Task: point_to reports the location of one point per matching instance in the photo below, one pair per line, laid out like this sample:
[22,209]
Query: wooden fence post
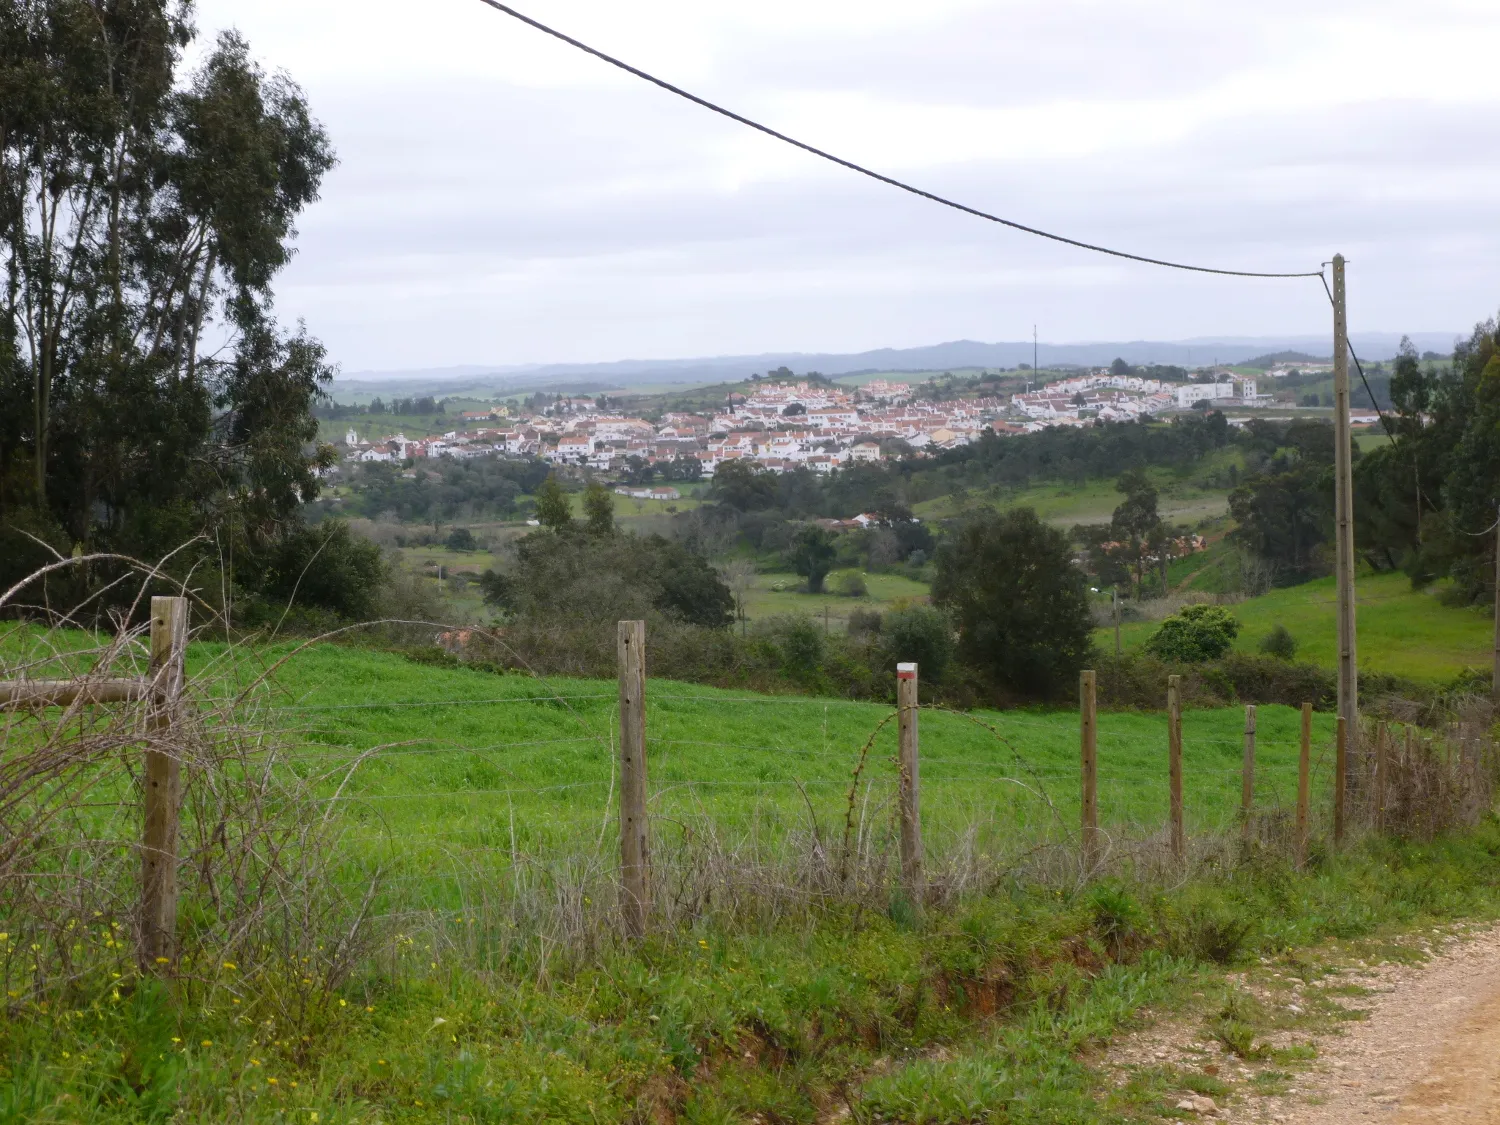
[1304,782]
[635,854]
[1089,755]
[1340,770]
[157,947]
[911,785]
[1174,760]
[1382,753]
[1247,774]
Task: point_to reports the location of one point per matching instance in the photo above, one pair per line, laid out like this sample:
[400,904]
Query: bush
[1279,643]
[461,539]
[1194,634]
[796,643]
[864,624]
[1139,679]
[921,634]
[850,584]
[325,568]
[609,577]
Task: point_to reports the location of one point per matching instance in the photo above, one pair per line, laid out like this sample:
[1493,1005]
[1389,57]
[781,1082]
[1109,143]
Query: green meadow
[454,787]
[460,769]
[1402,631]
[1094,501]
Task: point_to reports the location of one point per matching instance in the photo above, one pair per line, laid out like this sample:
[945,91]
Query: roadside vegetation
[483,976]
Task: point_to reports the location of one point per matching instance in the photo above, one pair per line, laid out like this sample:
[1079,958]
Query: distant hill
[588,378]
[1274,359]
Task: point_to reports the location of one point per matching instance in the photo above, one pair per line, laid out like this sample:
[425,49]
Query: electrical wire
[1384,424]
[862,170]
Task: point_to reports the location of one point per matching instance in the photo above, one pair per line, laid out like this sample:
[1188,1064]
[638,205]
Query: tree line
[148,395]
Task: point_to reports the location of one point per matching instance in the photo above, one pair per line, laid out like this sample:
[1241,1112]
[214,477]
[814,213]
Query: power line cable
[861,169]
[1384,424]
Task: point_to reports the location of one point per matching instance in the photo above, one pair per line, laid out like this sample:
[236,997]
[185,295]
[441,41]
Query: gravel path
[1428,1052]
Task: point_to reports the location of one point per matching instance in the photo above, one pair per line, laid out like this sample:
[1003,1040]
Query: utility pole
[1033,349]
[1495,687]
[1344,510]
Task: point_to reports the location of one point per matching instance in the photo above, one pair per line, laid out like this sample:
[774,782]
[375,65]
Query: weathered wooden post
[1304,783]
[1340,770]
[635,853]
[1247,774]
[911,785]
[1382,752]
[1174,761]
[1089,755]
[157,946]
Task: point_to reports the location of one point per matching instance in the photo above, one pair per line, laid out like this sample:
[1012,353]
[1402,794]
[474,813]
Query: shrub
[325,567]
[461,539]
[1194,634]
[796,643]
[1279,643]
[921,634]
[850,584]
[864,624]
[567,574]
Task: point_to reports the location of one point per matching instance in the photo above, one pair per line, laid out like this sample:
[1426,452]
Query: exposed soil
[1429,1050]
[1405,1044]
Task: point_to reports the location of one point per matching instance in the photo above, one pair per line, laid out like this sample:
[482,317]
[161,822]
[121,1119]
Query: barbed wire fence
[494,827]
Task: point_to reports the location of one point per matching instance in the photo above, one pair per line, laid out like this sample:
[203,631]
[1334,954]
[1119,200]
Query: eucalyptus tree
[146,391]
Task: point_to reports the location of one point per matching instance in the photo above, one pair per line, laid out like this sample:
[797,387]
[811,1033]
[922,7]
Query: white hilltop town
[790,425]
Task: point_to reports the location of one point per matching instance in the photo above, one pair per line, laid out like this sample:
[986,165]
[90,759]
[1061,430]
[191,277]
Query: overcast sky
[502,198]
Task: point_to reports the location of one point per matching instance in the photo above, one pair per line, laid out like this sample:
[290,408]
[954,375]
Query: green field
[481,807]
[779,593]
[467,766]
[1402,631]
[1092,502]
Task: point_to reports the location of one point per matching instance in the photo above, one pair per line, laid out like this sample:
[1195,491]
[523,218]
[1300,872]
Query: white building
[1197,392]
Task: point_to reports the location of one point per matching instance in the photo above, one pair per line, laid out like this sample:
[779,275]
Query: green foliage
[139,204]
[1233,1029]
[850,584]
[445,490]
[325,567]
[598,509]
[1135,521]
[743,485]
[461,539]
[1279,643]
[570,574]
[1020,605]
[811,555]
[992,1008]
[553,509]
[796,642]
[921,634]
[1194,634]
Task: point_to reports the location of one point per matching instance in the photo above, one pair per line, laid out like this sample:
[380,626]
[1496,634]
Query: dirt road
[1429,1050]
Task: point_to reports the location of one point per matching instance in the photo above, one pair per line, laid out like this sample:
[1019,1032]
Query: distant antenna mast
[1033,347]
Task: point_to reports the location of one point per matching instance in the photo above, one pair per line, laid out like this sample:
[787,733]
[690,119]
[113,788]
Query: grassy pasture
[765,600]
[1401,631]
[467,768]
[714,1022]
[1066,504]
